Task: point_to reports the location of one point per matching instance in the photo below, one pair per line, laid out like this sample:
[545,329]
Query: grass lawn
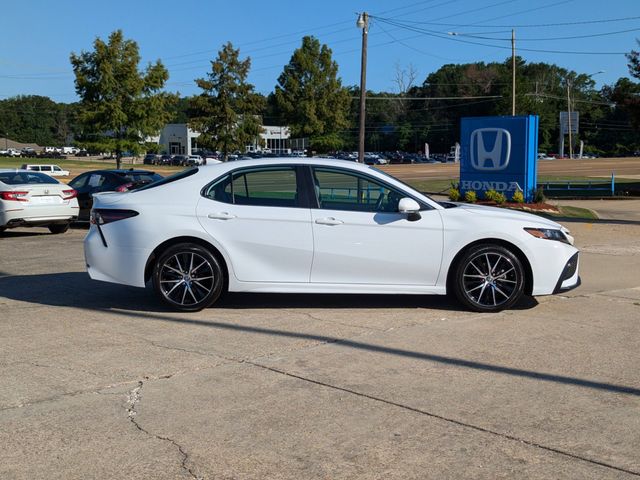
[577,212]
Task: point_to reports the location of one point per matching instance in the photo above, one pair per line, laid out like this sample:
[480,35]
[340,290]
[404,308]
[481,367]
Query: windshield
[25,178]
[171,178]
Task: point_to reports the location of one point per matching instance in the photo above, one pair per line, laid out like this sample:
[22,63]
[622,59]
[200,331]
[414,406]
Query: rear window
[171,178]
[23,178]
[143,177]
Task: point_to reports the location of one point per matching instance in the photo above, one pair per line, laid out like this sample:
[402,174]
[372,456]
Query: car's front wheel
[59,228]
[188,277]
[489,278]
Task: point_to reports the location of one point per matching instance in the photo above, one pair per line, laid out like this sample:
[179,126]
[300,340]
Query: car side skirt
[336,288]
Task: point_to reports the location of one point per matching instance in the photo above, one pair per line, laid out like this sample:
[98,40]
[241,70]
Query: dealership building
[179,139]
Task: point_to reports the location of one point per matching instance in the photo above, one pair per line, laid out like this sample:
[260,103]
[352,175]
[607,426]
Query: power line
[545,39]
[436,34]
[531,25]
[428,98]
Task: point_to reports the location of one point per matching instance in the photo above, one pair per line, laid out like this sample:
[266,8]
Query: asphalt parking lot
[100,381]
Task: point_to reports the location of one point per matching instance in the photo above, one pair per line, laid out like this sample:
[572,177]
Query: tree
[120,105]
[226,113]
[36,119]
[310,97]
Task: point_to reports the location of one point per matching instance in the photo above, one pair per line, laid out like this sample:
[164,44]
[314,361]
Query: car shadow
[23,233]
[76,289]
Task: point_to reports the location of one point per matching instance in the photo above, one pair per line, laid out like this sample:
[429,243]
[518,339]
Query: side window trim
[361,176]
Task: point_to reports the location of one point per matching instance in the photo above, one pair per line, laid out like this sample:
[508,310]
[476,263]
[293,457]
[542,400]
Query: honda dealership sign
[499,153]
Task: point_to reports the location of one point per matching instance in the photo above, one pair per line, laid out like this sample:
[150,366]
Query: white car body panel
[278,249]
[264,243]
[345,243]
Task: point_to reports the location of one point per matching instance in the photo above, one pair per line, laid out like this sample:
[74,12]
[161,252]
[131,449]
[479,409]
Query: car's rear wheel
[59,228]
[489,278]
[188,277]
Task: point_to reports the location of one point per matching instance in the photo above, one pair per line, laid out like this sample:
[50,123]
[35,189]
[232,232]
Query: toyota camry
[319,226]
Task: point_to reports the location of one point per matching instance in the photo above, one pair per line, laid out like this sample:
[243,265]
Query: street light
[569,110]
[363,23]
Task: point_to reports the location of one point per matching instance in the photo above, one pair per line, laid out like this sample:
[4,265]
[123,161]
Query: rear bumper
[115,263]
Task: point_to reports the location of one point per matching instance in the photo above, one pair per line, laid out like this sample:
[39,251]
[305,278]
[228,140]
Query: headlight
[548,234]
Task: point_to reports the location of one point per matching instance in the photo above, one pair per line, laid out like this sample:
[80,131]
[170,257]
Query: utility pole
[363,23]
[513,72]
[569,117]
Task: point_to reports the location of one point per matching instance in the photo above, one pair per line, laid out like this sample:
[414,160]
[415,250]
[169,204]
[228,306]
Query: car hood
[508,214]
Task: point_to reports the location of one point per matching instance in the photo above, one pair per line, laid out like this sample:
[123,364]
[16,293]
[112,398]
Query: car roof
[327,162]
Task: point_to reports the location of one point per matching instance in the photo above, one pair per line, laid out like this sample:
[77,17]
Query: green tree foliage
[310,97]
[226,112]
[37,119]
[120,105]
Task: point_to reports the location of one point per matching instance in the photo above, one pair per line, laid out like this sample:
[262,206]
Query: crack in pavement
[453,421]
[133,399]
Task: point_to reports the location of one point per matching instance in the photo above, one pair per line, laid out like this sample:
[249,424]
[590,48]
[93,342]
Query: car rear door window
[265,187]
[340,190]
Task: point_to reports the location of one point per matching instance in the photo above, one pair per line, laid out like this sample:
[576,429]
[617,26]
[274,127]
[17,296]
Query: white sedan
[33,199]
[319,226]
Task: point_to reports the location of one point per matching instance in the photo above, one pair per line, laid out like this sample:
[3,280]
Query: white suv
[53,170]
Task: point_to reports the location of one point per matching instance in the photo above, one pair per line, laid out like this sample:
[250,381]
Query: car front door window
[337,190]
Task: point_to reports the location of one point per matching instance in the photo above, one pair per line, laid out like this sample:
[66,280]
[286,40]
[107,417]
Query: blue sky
[37,36]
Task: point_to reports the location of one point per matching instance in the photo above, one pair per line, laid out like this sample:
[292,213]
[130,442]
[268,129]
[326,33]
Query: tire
[174,280]
[2,230]
[488,278]
[58,228]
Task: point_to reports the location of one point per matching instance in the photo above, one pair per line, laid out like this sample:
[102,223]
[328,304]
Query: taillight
[15,196]
[124,188]
[102,216]
[69,194]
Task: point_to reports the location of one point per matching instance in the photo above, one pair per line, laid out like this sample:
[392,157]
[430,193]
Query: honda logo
[486,156]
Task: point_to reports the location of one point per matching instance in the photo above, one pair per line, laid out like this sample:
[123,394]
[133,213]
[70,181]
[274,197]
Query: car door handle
[221,216]
[329,221]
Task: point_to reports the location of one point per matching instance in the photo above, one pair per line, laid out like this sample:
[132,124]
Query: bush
[499,198]
[454,194]
[490,195]
[538,195]
[518,197]
[470,196]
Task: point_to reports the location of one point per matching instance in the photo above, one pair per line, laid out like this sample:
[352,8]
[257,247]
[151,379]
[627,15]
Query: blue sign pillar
[499,153]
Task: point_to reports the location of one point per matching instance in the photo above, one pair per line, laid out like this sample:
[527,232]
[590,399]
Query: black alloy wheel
[188,277]
[489,278]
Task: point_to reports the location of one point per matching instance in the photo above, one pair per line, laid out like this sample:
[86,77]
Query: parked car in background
[33,199]
[70,150]
[179,160]
[89,183]
[150,159]
[53,170]
[12,152]
[164,160]
[317,226]
[193,161]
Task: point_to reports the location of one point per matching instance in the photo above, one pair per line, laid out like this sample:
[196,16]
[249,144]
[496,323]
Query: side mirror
[410,207]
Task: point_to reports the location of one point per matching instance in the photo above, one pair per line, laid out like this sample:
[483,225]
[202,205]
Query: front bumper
[569,278]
